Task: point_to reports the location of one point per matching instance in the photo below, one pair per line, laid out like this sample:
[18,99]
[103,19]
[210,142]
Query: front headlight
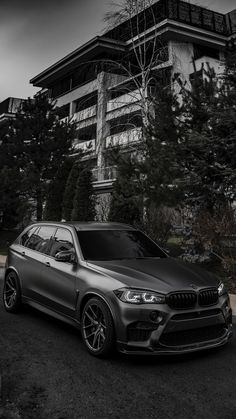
[139,296]
[221,289]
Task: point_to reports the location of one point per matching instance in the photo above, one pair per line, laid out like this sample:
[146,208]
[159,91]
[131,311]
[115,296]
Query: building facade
[91,88]
[9,107]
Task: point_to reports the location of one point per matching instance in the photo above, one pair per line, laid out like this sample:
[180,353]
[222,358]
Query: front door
[58,281]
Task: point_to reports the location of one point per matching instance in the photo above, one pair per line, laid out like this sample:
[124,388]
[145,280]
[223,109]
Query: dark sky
[36,33]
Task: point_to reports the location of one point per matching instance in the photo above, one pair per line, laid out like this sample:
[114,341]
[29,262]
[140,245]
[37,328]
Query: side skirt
[53,313]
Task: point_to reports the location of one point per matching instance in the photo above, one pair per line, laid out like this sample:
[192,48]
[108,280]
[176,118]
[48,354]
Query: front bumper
[172,331]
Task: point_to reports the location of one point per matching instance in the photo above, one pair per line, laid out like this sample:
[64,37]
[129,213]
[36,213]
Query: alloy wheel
[10,291]
[94,327]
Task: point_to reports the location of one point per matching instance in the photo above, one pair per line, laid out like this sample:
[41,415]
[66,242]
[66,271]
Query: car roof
[88,225]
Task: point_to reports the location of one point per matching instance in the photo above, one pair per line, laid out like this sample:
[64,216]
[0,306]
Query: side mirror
[66,256]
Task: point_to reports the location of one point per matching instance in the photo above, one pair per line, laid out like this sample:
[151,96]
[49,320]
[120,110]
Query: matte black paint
[60,289]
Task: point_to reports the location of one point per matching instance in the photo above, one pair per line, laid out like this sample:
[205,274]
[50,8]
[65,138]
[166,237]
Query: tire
[12,293]
[97,328]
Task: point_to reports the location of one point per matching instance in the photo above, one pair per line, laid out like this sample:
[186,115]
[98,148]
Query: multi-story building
[104,101]
[9,107]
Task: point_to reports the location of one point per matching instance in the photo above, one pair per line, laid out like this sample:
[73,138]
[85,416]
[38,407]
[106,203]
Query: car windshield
[117,244]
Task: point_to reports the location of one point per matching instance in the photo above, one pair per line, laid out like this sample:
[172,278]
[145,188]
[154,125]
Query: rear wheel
[97,328]
[12,293]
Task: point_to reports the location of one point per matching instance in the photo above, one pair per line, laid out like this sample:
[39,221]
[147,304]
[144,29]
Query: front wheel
[97,328]
[12,293]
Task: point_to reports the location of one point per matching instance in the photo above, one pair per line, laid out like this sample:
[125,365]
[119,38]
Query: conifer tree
[69,193]
[126,202]
[53,209]
[13,203]
[208,148]
[41,142]
[160,167]
[84,200]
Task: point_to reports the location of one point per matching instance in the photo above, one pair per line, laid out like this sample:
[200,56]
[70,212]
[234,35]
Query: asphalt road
[46,373]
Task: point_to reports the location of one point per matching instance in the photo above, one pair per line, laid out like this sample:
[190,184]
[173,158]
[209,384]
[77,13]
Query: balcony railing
[85,146]
[123,100]
[107,173]
[124,138]
[85,114]
[180,11]
[204,62]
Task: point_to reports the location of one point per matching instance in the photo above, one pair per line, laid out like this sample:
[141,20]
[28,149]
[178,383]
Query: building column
[102,125]
[72,108]
[181,56]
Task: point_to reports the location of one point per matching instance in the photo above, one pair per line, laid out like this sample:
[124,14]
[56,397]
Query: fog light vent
[140,331]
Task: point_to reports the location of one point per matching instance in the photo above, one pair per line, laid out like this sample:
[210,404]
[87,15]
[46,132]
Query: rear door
[31,269]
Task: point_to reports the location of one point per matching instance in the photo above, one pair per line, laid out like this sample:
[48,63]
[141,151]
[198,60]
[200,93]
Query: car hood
[162,275]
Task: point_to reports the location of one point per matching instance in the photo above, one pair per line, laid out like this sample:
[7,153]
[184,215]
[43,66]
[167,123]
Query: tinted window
[61,241]
[117,244]
[40,239]
[26,236]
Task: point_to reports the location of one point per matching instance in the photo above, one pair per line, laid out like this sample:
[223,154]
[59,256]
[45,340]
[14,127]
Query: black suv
[116,285]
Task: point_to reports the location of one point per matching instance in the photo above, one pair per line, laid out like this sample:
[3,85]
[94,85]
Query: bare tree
[146,55]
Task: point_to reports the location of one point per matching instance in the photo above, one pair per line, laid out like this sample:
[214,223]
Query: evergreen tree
[196,148]
[53,209]
[84,200]
[13,203]
[208,149]
[69,193]
[126,202]
[40,142]
[160,167]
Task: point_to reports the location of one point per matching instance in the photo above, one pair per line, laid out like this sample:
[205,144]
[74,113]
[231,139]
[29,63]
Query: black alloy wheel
[97,327]
[12,293]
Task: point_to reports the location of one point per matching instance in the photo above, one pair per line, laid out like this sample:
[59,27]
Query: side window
[26,236]
[61,241]
[40,239]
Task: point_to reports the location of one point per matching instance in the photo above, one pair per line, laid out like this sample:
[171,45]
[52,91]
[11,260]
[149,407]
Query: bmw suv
[118,287]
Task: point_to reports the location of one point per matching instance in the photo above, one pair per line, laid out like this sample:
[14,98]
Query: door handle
[47,264]
[23,253]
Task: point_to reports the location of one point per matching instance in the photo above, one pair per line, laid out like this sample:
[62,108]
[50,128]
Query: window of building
[125,123]
[87,133]
[86,101]
[61,87]
[83,74]
[123,89]
[202,51]
[63,111]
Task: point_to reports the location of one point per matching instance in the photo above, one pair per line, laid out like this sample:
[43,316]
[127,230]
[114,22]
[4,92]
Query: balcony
[85,146]
[124,138]
[123,100]
[85,114]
